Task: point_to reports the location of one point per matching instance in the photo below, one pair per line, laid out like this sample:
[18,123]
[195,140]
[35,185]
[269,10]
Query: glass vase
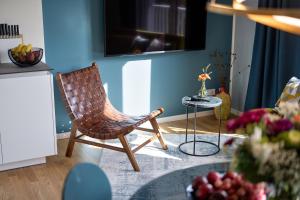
[202,92]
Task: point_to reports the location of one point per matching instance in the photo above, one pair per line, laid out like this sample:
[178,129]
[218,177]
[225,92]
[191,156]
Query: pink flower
[232,124]
[246,118]
[229,142]
[279,126]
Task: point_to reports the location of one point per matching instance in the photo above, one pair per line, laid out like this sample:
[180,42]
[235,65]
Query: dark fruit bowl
[190,192]
[36,57]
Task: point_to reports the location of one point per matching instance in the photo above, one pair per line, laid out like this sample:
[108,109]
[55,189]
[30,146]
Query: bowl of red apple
[228,186]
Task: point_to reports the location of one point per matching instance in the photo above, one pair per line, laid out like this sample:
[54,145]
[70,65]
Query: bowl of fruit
[25,55]
[229,186]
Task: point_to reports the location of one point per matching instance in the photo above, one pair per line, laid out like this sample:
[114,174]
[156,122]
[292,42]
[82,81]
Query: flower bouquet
[271,154]
[203,77]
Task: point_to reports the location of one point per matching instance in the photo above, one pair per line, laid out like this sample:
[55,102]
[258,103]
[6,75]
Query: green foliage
[251,126]
[246,164]
[290,138]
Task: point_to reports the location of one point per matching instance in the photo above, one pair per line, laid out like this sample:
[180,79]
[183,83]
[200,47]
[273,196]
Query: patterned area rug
[155,162]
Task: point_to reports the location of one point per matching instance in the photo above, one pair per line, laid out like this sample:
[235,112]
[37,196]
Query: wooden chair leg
[129,153]
[71,141]
[158,133]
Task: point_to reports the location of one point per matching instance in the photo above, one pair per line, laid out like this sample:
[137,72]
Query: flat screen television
[151,26]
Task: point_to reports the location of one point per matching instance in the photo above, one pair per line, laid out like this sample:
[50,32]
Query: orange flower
[203,77]
[296,118]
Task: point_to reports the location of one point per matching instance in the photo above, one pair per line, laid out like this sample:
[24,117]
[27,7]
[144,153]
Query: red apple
[36,54]
[22,59]
[241,192]
[204,191]
[198,180]
[230,174]
[231,191]
[249,187]
[30,57]
[218,184]
[233,197]
[212,177]
[218,195]
[235,184]
[226,185]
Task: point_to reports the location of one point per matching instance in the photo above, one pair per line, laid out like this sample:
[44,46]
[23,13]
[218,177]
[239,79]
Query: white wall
[28,14]
[242,46]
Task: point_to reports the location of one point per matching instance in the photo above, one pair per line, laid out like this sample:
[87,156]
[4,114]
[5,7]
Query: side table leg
[195,120]
[187,122]
[220,123]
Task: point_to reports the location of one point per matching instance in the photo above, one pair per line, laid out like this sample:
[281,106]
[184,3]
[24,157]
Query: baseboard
[24,163]
[183,116]
[64,135]
[236,112]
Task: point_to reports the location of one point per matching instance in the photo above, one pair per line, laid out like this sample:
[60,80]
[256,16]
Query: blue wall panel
[74,38]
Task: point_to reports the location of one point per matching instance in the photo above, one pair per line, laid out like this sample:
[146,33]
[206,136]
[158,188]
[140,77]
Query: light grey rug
[154,161]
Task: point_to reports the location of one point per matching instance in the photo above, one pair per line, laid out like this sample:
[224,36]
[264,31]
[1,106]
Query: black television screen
[144,26]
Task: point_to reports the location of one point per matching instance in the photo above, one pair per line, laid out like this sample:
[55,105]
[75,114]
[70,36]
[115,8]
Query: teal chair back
[86,181]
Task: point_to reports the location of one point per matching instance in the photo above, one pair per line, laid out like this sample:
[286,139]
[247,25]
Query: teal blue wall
[74,38]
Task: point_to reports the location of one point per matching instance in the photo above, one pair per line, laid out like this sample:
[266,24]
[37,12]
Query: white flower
[271,117]
[256,136]
[267,150]
[288,109]
[262,152]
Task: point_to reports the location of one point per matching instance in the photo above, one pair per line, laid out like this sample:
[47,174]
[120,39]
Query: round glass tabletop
[173,185]
[206,102]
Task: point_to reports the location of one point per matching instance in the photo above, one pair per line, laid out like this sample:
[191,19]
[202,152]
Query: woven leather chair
[93,115]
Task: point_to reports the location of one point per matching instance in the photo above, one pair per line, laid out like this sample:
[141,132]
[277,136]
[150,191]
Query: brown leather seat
[93,115]
[109,127]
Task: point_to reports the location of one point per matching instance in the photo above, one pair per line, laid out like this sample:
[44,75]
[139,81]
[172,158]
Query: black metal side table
[207,102]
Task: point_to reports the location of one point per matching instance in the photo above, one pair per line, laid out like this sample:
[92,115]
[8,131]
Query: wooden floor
[208,124]
[46,181]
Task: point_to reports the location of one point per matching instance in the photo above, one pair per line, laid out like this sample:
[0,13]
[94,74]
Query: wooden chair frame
[94,116]
[126,147]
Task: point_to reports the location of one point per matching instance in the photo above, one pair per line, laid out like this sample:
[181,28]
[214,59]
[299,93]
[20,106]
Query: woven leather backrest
[83,94]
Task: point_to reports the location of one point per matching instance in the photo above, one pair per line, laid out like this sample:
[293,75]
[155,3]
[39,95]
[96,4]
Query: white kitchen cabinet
[27,119]
[0,151]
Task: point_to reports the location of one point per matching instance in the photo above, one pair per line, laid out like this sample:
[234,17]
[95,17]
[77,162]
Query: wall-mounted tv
[151,26]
